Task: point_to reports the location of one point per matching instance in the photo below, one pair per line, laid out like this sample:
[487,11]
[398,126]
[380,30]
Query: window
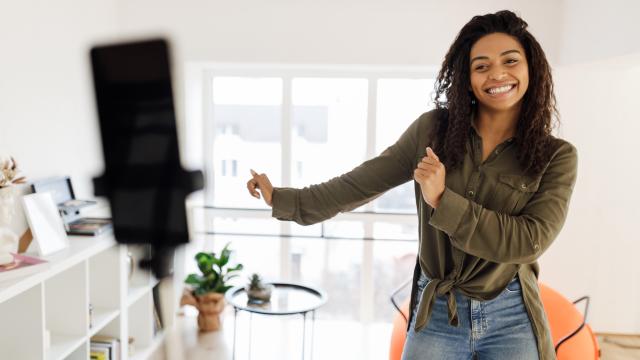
[247,116]
[303,126]
[399,103]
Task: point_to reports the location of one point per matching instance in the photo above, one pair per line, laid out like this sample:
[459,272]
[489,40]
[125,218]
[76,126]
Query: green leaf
[205,261]
[224,256]
[236,268]
[194,279]
[229,277]
[215,273]
[200,291]
[212,278]
[223,289]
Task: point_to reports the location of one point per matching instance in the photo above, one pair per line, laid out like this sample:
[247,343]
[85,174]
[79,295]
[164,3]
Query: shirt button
[471,193]
[524,186]
[536,246]
[497,152]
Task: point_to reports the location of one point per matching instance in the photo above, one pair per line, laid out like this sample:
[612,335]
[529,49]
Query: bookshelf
[47,315]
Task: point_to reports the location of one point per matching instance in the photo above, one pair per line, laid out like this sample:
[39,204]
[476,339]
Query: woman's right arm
[316,203]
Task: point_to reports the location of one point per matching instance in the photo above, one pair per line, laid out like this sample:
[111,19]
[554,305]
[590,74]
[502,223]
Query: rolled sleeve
[450,211]
[506,238]
[283,203]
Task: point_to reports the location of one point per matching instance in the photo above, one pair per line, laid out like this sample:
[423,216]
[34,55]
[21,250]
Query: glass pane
[393,264]
[334,266]
[234,225]
[247,116]
[346,229]
[399,103]
[329,119]
[395,231]
[257,254]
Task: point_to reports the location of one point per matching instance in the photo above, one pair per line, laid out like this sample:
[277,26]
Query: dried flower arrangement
[9,175]
[9,172]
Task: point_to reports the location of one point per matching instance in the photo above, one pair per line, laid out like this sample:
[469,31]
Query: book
[99,354]
[105,349]
[21,266]
[108,342]
[89,226]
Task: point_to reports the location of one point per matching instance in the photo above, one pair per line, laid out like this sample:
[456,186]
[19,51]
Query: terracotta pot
[209,306]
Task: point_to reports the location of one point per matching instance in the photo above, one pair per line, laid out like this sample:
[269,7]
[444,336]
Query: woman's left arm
[515,239]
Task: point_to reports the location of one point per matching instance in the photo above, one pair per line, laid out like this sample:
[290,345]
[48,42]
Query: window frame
[208,71]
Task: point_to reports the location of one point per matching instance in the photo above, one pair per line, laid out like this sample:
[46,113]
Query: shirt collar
[474,129]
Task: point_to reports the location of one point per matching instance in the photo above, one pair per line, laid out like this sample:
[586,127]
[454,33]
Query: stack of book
[105,348]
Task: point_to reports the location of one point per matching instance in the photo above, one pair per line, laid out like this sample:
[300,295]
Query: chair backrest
[563,316]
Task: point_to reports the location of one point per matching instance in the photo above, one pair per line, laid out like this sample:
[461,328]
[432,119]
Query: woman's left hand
[431,174]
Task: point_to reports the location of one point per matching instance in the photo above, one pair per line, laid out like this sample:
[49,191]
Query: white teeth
[500,90]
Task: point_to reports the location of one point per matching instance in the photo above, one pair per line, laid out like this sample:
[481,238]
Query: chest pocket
[514,191]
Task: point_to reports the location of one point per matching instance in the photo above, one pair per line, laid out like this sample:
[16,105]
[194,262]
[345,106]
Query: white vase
[7,205]
[12,219]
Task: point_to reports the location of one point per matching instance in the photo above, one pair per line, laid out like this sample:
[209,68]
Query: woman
[492,190]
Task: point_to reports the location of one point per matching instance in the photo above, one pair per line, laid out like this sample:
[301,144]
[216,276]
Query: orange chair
[573,338]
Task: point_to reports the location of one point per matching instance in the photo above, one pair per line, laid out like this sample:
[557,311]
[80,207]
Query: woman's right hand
[261,182]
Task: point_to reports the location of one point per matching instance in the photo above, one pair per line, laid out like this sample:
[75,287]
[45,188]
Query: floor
[281,338]
[277,338]
[619,347]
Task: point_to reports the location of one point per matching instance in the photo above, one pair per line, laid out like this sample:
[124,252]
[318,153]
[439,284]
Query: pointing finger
[431,154]
[251,186]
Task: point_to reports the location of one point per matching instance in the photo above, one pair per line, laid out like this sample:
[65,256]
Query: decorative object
[257,291]
[90,315]
[21,265]
[206,290]
[131,265]
[9,208]
[45,223]
[9,172]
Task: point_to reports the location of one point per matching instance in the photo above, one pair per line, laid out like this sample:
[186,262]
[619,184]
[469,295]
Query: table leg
[250,321]
[313,331]
[304,332]
[235,327]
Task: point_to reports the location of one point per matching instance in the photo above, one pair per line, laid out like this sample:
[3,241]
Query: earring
[473,101]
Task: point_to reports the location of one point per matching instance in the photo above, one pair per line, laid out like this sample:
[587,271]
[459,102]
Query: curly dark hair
[538,104]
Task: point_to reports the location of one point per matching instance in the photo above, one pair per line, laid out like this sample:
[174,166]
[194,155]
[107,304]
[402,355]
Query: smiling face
[499,72]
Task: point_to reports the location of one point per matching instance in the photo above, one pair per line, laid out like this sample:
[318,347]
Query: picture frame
[49,235]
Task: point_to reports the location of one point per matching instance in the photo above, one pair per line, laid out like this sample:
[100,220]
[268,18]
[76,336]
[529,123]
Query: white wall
[597,252]
[335,32]
[47,116]
[598,83]
[597,29]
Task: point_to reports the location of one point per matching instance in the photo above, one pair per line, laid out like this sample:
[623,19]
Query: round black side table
[286,299]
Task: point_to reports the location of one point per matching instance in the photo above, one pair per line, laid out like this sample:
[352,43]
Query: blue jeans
[495,329]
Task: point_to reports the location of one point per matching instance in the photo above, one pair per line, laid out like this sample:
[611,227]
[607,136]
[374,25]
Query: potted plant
[258,292]
[206,290]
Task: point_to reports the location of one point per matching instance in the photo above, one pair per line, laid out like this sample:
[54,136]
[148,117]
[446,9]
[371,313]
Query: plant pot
[12,218]
[8,238]
[209,306]
[261,295]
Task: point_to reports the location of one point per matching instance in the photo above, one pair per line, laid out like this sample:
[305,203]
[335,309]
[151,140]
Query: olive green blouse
[492,223]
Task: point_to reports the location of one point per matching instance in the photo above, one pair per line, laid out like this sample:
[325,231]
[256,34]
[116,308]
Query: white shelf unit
[55,304]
